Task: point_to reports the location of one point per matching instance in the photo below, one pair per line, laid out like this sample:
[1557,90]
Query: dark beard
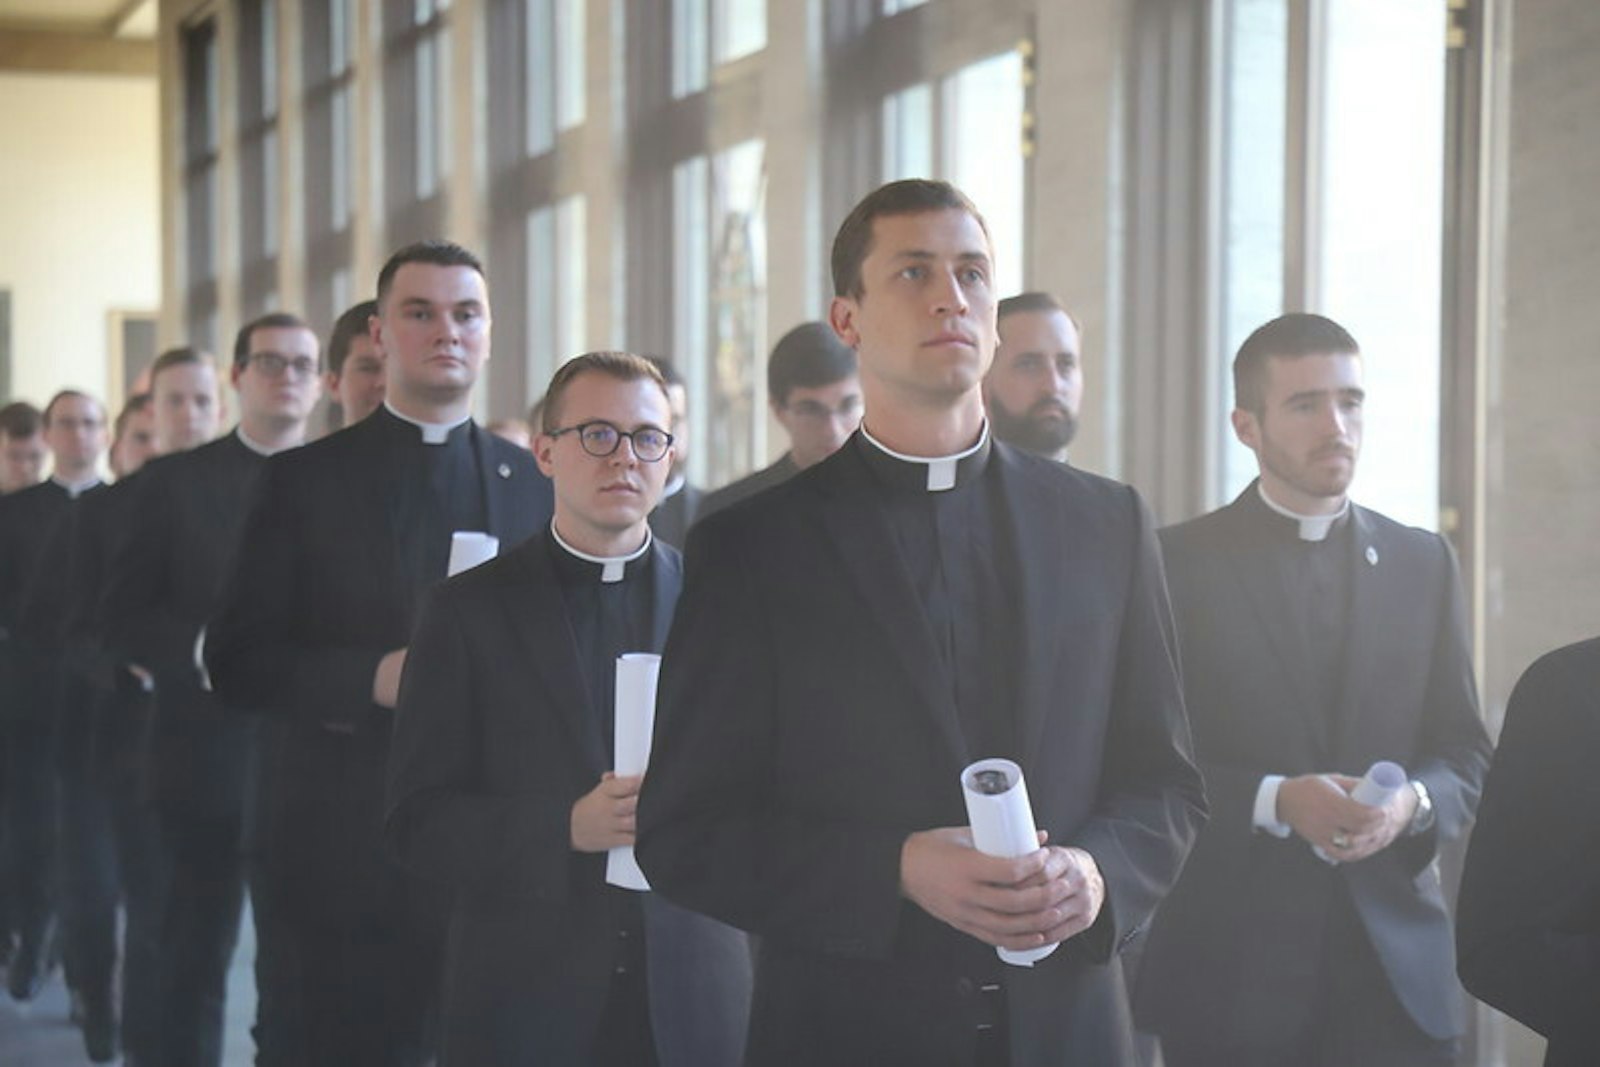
[1042,438]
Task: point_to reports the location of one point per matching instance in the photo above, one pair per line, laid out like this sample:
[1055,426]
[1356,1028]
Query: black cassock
[506,719]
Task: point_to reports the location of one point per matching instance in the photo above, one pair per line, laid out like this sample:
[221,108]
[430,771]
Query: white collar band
[941,469]
[612,568]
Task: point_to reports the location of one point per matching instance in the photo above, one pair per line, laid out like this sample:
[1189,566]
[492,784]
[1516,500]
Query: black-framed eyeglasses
[600,439]
[275,364]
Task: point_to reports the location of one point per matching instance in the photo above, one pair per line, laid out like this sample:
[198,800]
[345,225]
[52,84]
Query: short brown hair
[184,356]
[352,324]
[272,320]
[1035,301]
[623,366]
[436,251]
[20,419]
[1290,336]
[135,404]
[66,394]
[912,196]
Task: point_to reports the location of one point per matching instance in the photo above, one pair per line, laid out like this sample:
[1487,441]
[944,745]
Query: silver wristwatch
[1422,821]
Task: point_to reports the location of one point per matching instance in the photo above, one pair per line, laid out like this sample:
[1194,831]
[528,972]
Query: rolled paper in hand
[468,549]
[1002,825]
[1381,782]
[637,674]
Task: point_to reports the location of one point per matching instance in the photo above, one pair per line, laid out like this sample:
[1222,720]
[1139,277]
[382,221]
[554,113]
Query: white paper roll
[1381,782]
[468,549]
[637,675]
[1002,825]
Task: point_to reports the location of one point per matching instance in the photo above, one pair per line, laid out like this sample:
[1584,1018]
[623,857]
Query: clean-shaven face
[184,397]
[433,331]
[819,419]
[280,382]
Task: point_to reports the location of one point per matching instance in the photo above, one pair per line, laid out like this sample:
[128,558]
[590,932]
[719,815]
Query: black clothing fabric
[1239,954]
[344,537]
[1529,917]
[805,729]
[780,471]
[673,516]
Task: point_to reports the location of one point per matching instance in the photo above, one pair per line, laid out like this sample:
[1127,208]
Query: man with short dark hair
[164,583]
[849,641]
[1034,387]
[815,394]
[355,367]
[1318,638]
[344,538]
[74,429]
[680,501]
[501,785]
[22,448]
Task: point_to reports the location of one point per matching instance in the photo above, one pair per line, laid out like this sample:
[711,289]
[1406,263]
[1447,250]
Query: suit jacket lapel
[495,484]
[538,616]
[865,544]
[1278,616]
[666,573]
[1043,551]
[1367,594]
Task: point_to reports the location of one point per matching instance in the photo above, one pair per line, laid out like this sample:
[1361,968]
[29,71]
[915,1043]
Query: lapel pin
[1372,556]
[505,472]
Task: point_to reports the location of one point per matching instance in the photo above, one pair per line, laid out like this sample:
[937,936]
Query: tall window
[200,153]
[258,156]
[329,54]
[416,112]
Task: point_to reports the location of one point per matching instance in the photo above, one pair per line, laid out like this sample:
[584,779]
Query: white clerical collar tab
[77,489]
[1312,527]
[612,568]
[941,469]
[433,433]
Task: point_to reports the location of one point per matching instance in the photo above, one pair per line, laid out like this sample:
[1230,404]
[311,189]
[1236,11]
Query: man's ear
[842,317]
[542,445]
[1247,428]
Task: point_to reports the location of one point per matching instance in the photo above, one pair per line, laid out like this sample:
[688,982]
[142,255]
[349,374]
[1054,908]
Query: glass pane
[894,7]
[691,261]
[689,58]
[983,132]
[269,192]
[269,59]
[540,298]
[737,413]
[427,123]
[1381,226]
[1255,86]
[741,28]
[339,159]
[340,39]
[571,275]
[540,64]
[569,65]
[908,134]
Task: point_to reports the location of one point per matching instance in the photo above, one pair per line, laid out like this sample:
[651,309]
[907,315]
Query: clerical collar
[1312,527]
[611,568]
[433,433]
[252,444]
[674,486]
[76,489]
[932,473]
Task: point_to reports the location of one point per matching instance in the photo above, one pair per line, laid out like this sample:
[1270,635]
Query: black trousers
[279,1030]
[91,883]
[1358,1021]
[142,866]
[31,823]
[200,929]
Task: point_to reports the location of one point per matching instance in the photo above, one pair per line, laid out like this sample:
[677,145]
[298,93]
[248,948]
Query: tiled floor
[37,1034]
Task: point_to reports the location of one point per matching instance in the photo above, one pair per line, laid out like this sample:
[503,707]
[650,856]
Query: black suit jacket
[1237,946]
[1529,920]
[672,518]
[495,740]
[776,474]
[165,581]
[321,592]
[803,734]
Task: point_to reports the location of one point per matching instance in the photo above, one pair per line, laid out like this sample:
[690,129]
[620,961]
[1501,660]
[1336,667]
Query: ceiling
[101,18]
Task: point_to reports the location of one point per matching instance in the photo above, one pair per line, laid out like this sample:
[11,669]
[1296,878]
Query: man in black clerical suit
[165,582]
[344,538]
[1528,920]
[109,834]
[680,501]
[501,784]
[815,394]
[1035,386]
[850,640]
[75,433]
[1317,638]
[355,366]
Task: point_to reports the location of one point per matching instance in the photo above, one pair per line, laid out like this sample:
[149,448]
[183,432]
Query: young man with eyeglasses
[344,539]
[501,783]
[165,581]
[815,394]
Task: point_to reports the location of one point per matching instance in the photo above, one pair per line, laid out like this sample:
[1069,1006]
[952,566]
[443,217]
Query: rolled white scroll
[1381,782]
[637,674]
[1002,825]
[468,549]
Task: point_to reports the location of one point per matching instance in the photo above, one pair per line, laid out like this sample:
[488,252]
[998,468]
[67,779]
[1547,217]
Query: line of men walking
[413,778]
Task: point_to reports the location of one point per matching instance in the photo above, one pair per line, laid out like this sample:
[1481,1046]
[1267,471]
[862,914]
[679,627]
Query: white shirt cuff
[200,659]
[1266,813]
